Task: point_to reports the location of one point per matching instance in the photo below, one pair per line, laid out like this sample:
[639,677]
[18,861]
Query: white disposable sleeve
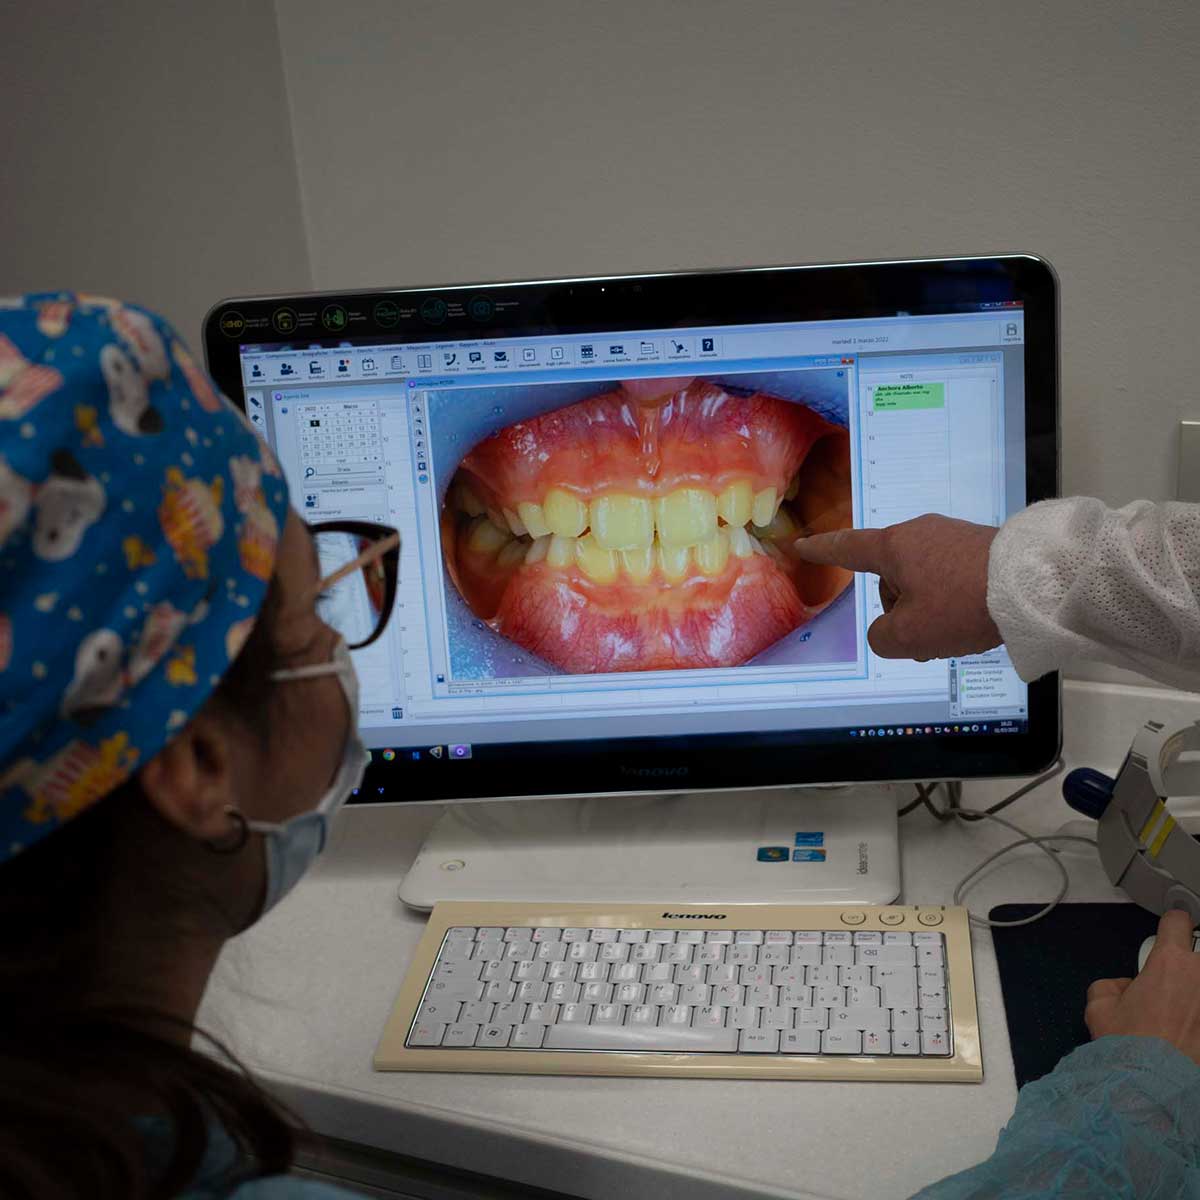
[1073,579]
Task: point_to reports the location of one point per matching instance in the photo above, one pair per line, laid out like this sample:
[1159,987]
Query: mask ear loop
[242,835]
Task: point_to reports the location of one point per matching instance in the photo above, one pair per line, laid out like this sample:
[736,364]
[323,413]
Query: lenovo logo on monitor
[655,772]
[694,916]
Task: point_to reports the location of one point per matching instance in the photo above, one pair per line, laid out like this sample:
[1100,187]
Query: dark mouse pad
[1047,967]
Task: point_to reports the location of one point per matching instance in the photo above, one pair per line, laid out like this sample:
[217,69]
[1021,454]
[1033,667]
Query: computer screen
[598,524]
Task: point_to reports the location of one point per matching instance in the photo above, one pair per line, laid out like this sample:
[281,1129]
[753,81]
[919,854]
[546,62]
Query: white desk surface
[302,998]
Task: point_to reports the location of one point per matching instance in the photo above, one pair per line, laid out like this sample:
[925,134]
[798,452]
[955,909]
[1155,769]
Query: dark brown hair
[74,1079]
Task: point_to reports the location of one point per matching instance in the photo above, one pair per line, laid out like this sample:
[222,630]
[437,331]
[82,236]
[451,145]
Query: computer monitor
[598,481]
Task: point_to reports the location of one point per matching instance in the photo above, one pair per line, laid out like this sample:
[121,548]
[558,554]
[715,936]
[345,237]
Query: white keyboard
[746,990]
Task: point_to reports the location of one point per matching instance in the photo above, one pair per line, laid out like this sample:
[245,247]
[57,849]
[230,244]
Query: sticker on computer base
[772,854]
[808,855]
[810,839]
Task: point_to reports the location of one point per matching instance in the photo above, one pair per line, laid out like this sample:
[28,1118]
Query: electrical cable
[955,811]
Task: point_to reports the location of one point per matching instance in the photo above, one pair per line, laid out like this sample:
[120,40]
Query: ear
[191,780]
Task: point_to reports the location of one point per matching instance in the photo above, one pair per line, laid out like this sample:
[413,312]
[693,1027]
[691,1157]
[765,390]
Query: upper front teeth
[618,521]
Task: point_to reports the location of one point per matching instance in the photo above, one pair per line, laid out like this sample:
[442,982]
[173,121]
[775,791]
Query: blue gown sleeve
[1118,1119]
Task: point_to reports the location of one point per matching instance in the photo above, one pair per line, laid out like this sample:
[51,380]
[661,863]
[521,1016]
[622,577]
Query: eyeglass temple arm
[375,551]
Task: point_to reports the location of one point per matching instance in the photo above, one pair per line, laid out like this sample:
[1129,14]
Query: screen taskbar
[459,751]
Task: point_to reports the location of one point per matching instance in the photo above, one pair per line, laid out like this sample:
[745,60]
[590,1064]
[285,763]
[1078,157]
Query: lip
[650,526]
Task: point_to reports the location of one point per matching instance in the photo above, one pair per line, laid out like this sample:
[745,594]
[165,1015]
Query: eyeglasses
[359,563]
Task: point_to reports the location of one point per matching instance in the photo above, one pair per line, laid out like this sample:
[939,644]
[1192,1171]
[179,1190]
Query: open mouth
[649,527]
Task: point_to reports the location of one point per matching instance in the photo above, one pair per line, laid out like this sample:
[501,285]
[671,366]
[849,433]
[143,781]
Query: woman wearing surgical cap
[177,727]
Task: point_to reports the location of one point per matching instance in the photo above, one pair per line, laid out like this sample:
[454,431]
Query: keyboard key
[838,938]
[561,972]
[905,1043]
[930,956]
[809,937]
[546,933]
[721,973]
[898,995]
[723,936]
[796,996]
[460,1034]
[820,976]
[664,993]
[532,992]
[564,993]
[592,972]
[758,1041]
[671,1039]
[886,956]
[710,955]
[663,937]
[750,976]
[895,938]
[528,1037]
[932,997]
[551,952]
[933,1021]
[860,1018]
[805,1040]
[490,933]
[868,937]
[445,1011]
[787,976]
[500,991]
[604,935]
[814,1018]
[762,994]
[597,993]
[642,1014]
[904,1020]
[575,1014]
[614,952]
[774,955]
[578,952]
[528,969]
[695,993]
[648,952]
[479,1013]
[625,973]
[508,1014]
[657,973]
[742,955]
[518,933]
[630,936]
[862,997]
[710,1015]
[729,994]
[689,937]
[518,950]
[935,1043]
[630,993]
[497,968]
[676,1014]
[608,1014]
[572,933]
[493,1035]
[427,1033]
[876,1042]
[749,937]
[855,976]
[455,989]
[778,937]
[679,953]
[457,951]
[841,1041]
[808,955]
[541,1014]
[776,1017]
[830,997]
[458,970]
[838,956]
[689,974]
[927,939]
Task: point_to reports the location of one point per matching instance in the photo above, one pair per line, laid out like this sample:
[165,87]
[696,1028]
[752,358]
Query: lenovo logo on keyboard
[695,916]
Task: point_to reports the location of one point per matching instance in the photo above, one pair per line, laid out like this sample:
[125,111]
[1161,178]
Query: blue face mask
[293,845]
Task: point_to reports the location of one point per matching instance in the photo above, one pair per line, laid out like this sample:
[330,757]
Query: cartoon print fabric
[139,519]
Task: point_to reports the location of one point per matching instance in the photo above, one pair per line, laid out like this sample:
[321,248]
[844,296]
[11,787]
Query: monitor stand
[708,848]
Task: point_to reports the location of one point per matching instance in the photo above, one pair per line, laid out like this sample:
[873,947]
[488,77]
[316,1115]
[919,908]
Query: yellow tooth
[780,529]
[638,563]
[497,518]
[764,507]
[622,522]
[595,561]
[515,523]
[512,554]
[561,551]
[739,542]
[793,487]
[685,516]
[534,519]
[756,545]
[673,561]
[538,550]
[713,553]
[486,536]
[735,502]
[564,513]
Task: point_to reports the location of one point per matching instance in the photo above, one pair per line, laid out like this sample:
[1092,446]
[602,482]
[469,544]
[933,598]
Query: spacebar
[680,1040]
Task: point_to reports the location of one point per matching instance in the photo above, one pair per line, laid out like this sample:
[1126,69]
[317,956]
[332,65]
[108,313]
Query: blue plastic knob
[1088,791]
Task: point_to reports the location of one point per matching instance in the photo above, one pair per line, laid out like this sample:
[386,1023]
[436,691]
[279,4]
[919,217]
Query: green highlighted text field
[898,397]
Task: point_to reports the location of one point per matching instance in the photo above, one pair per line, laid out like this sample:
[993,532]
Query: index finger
[1174,929]
[854,549]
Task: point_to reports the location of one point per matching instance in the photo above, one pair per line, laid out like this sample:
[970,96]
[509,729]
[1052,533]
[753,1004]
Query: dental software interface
[597,529]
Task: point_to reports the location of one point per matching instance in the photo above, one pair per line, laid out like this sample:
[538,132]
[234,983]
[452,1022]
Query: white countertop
[302,997]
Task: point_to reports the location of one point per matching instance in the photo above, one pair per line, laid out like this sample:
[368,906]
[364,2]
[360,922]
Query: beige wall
[147,153]
[460,140]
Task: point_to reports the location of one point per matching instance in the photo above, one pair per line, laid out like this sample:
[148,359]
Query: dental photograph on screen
[643,524]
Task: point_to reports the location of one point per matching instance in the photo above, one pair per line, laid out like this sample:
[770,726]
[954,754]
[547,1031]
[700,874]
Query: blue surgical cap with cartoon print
[139,520]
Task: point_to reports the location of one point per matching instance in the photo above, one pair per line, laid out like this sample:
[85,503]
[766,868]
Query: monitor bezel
[681,300]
